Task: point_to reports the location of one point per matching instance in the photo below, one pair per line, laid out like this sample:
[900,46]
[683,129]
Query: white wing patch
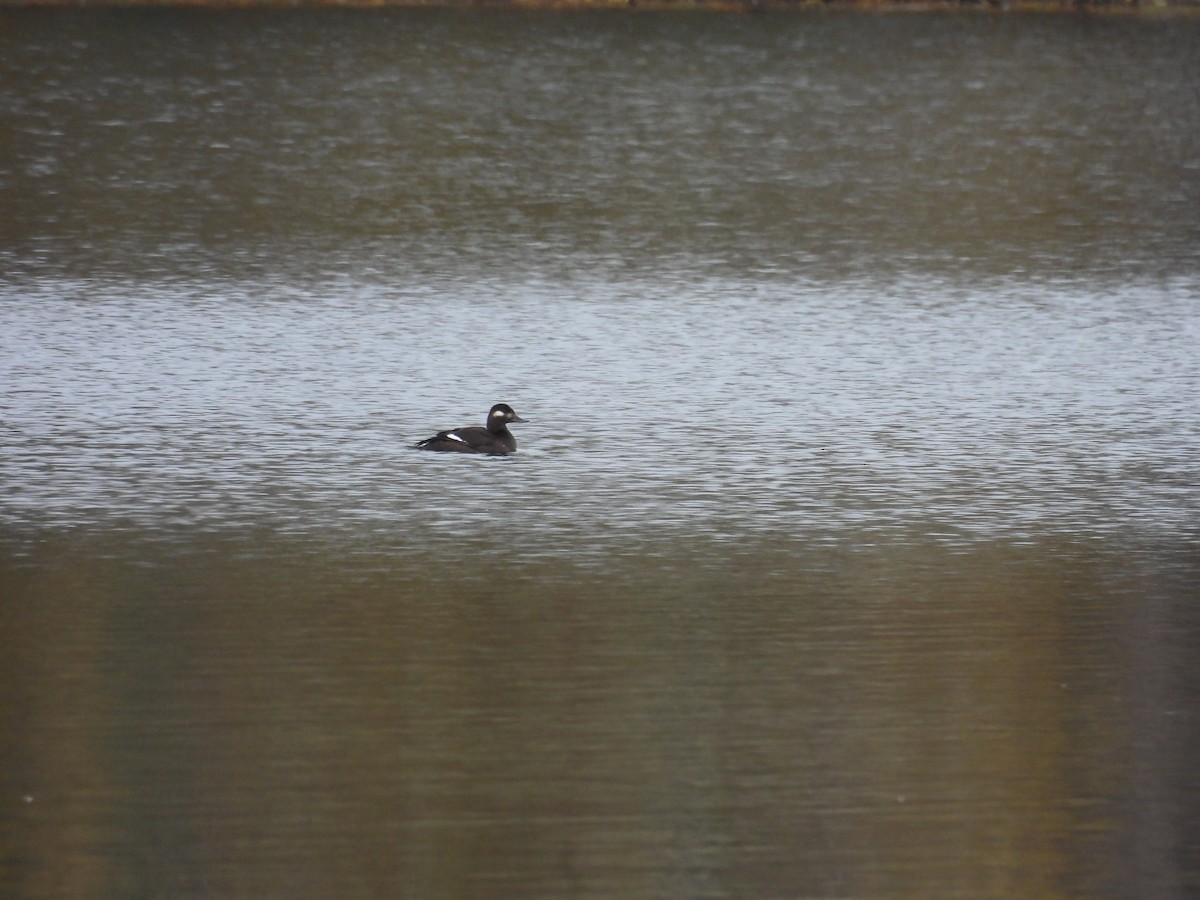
[455,437]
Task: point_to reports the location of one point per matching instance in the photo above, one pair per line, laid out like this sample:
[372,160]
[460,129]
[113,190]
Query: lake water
[852,548]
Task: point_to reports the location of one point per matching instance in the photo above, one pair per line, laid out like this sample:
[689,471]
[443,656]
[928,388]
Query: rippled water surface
[853,544]
[833,411]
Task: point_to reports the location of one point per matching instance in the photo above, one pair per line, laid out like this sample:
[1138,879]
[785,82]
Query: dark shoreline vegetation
[1103,7]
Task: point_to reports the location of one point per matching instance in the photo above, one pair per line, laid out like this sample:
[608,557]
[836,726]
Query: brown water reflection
[253,718]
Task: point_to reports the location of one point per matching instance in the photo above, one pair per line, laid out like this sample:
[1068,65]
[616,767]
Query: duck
[492,438]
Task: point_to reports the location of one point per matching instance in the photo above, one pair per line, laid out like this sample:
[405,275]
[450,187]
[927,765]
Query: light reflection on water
[851,548]
[732,409]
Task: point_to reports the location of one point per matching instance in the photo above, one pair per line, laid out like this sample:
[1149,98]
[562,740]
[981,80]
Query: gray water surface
[852,547]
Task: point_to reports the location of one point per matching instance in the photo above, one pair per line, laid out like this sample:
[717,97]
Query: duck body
[492,438]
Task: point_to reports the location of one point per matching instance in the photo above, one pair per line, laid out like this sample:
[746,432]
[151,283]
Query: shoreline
[1124,8]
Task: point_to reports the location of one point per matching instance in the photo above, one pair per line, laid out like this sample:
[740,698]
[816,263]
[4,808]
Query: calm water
[853,545]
